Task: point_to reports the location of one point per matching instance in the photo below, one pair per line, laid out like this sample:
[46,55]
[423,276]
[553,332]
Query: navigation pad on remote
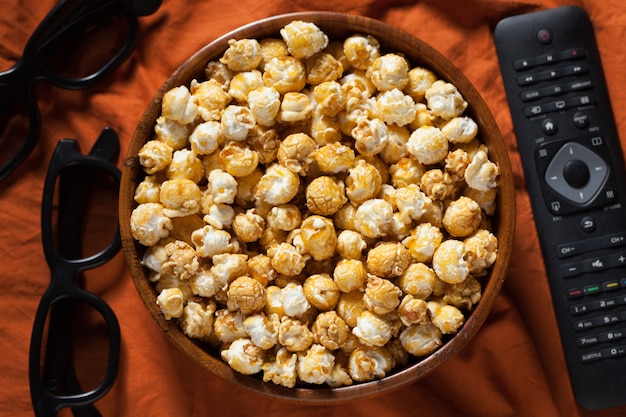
[575,174]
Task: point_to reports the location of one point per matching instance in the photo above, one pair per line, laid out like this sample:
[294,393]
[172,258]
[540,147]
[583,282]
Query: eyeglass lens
[86,42]
[85,211]
[74,46]
[73,359]
[15,123]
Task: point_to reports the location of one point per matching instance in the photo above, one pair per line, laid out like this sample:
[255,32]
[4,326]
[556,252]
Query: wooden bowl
[337,26]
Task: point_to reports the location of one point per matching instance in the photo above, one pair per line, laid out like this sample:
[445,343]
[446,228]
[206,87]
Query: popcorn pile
[317,210]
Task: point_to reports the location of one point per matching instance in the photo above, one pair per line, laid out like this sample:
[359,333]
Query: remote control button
[552,74]
[574,70]
[610,336]
[544,36]
[592,289]
[588,224]
[603,354]
[581,119]
[599,321]
[596,305]
[547,59]
[559,105]
[548,126]
[574,293]
[553,90]
[579,85]
[566,177]
[576,173]
[571,54]
[613,240]
[592,265]
[587,340]
[591,356]
[580,309]
[611,286]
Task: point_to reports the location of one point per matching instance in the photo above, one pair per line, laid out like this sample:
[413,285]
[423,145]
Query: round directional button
[576,173]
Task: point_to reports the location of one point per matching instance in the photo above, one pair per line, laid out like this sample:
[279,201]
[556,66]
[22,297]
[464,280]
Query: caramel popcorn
[179,106]
[272,48]
[210,97]
[369,363]
[462,217]
[447,318]
[295,107]
[264,103]
[350,274]
[170,300]
[418,280]
[228,326]
[278,185]
[206,137]
[294,335]
[389,72]
[236,122]
[428,144]
[285,74]
[350,244]
[330,330]
[155,156]
[171,132]
[420,80]
[325,195]
[372,329]
[361,51]
[244,356]
[317,211]
[450,261]
[316,365]
[149,224]
[303,39]
[363,182]
[197,319]
[421,339]
[282,369]
[321,291]
[246,294]
[381,295]
[323,67]
[319,237]
[388,259]
[242,55]
[444,100]
[181,260]
[481,173]
[329,97]
[148,191]
[263,330]
[238,160]
[373,218]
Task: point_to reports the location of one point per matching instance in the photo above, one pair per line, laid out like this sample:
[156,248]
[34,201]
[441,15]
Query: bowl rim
[503,221]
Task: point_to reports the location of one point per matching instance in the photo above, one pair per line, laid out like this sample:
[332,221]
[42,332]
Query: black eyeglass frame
[29,69]
[63,286]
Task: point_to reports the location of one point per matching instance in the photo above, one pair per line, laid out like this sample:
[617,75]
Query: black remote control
[574,172]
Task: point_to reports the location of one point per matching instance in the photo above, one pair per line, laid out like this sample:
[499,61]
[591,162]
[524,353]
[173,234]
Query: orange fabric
[514,366]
